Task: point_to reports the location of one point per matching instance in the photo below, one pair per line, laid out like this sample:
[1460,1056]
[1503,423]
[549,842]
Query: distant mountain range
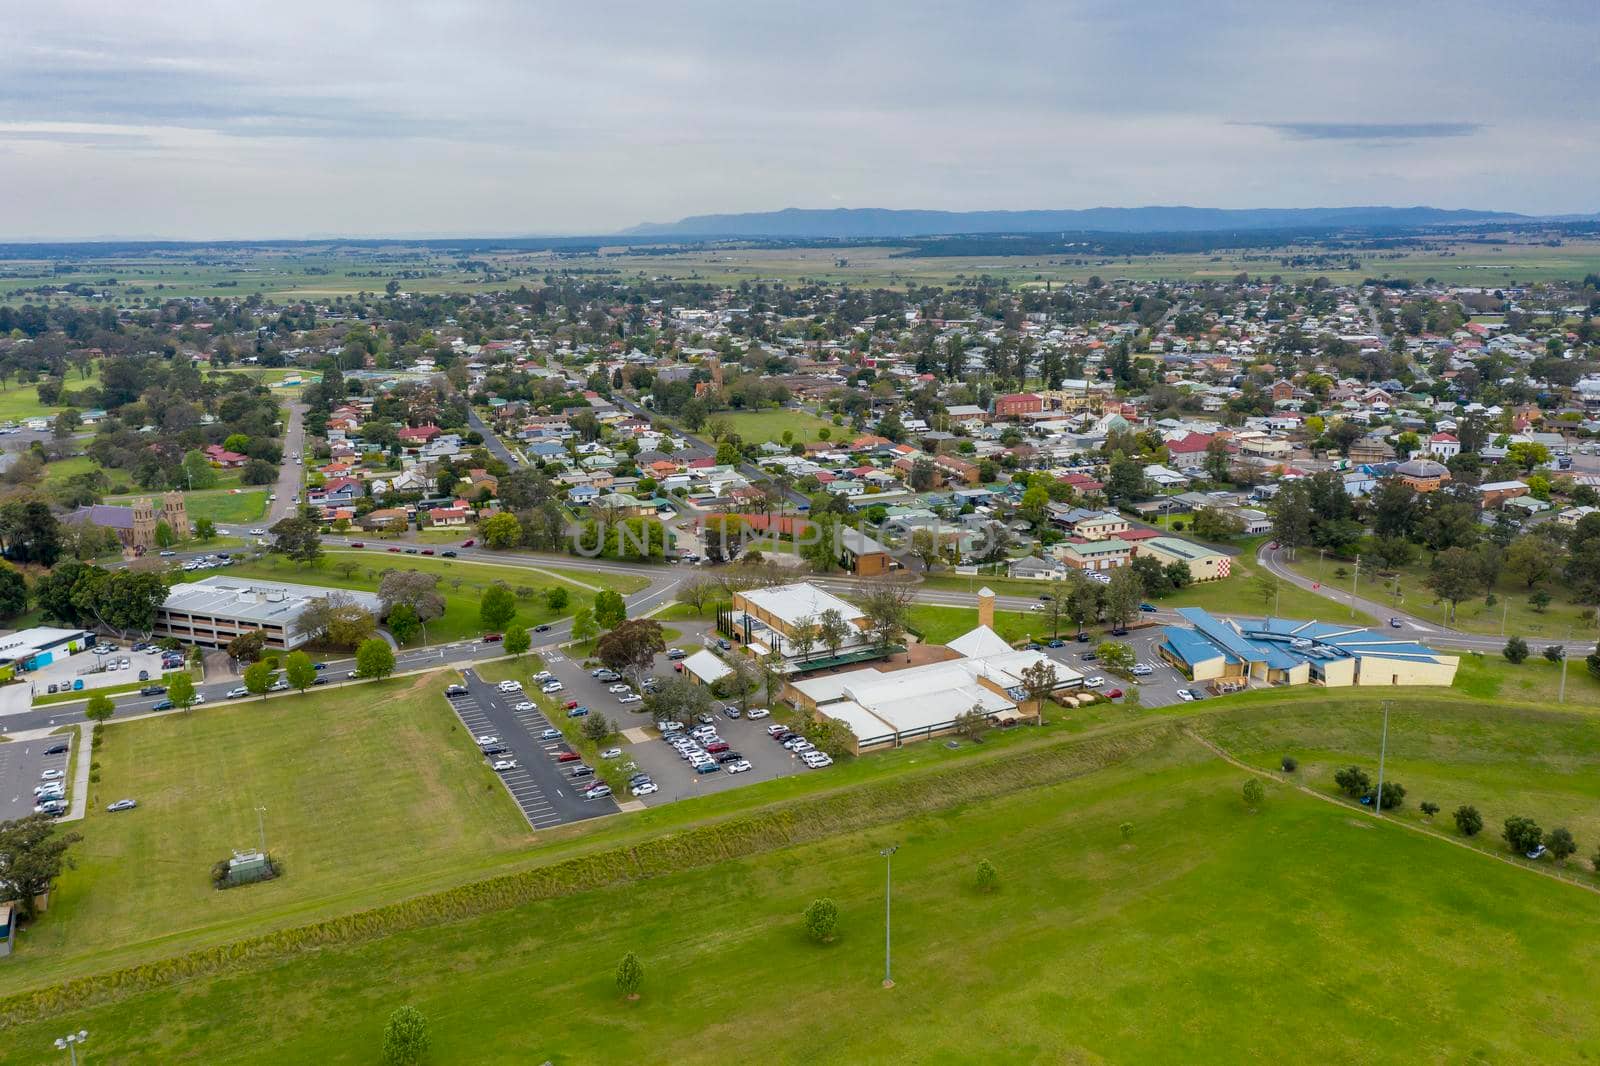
[880,222]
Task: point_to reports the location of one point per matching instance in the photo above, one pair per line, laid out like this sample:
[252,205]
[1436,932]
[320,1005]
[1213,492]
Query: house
[386,519]
[1443,446]
[455,515]
[1189,451]
[1092,525]
[1034,568]
[1494,493]
[861,555]
[1371,449]
[583,495]
[417,436]
[217,455]
[1423,475]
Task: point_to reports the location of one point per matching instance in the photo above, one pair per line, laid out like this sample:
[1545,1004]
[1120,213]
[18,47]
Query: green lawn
[57,472]
[1510,614]
[18,402]
[1537,680]
[760,426]
[941,625]
[1205,933]
[220,505]
[462,584]
[371,782]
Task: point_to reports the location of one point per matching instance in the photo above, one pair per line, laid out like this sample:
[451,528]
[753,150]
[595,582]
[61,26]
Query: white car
[52,775]
[122,805]
[1184,695]
[632,697]
[543,676]
[816,759]
[738,766]
[1094,682]
[646,789]
[551,687]
[511,686]
[236,693]
[487,738]
[525,705]
[502,765]
[611,753]
[1142,670]
[258,532]
[618,689]
[758,712]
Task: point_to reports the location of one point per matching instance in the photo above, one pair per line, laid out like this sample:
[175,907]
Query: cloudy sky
[289,119]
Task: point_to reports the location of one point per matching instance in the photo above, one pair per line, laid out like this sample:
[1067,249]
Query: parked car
[495,749]
[737,766]
[568,756]
[455,690]
[164,705]
[1196,694]
[581,771]
[645,788]
[578,712]
[153,690]
[611,753]
[674,654]
[235,693]
[52,775]
[599,791]
[1394,623]
[550,734]
[1057,643]
[728,756]
[757,712]
[447,554]
[487,738]
[708,767]
[723,644]
[604,674]
[1142,669]
[716,746]
[1148,608]
[1114,694]
[618,689]
[500,766]
[731,711]
[56,749]
[550,688]
[510,686]
[122,805]
[525,705]
[493,638]
[632,697]
[544,675]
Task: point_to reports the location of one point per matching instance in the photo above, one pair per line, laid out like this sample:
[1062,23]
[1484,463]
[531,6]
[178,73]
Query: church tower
[176,514]
[143,535]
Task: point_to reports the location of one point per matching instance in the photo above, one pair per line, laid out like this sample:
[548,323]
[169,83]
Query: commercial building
[1106,554]
[768,622]
[1205,564]
[1281,651]
[887,708]
[213,611]
[32,649]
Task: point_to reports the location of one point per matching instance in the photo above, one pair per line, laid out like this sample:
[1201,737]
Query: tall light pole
[261,827]
[1355,578]
[888,878]
[1383,747]
[70,1042]
[1562,697]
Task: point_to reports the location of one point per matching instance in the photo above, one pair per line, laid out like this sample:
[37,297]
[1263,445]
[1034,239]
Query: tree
[30,533]
[584,626]
[886,608]
[632,647]
[1523,834]
[517,641]
[1289,763]
[1123,595]
[1353,781]
[405,1037]
[258,677]
[497,607]
[205,529]
[1559,841]
[1291,516]
[338,619]
[180,690]
[374,659]
[630,975]
[1516,650]
[298,538]
[556,597]
[833,631]
[986,877]
[1117,656]
[1254,793]
[609,609]
[100,708]
[1468,820]
[411,588]
[1394,794]
[1530,560]
[403,623]
[1455,576]
[1039,681]
[973,722]
[1428,808]
[300,671]
[502,531]
[13,591]
[821,917]
[597,727]
[198,472]
[247,647]
[1527,455]
[32,855]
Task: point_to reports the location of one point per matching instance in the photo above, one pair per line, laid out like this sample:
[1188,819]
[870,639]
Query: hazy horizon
[292,120]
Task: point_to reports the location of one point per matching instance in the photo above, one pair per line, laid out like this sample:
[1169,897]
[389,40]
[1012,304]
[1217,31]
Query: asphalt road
[491,440]
[290,474]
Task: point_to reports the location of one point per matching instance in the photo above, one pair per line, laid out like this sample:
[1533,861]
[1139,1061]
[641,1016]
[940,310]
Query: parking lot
[23,764]
[677,780]
[86,667]
[539,784]
[1156,689]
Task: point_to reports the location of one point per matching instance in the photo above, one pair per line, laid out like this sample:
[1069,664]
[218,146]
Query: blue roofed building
[1231,653]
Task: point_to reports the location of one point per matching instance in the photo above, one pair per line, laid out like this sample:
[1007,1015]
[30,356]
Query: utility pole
[1562,697]
[1354,579]
[888,879]
[1383,747]
[261,827]
[1505,609]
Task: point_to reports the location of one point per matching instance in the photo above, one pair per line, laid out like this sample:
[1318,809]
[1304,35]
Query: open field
[1511,613]
[1207,933]
[18,402]
[371,783]
[219,505]
[761,426]
[461,583]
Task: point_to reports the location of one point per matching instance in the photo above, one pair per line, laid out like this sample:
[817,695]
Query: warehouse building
[1282,651]
[1205,564]
[213,611]
[33,649]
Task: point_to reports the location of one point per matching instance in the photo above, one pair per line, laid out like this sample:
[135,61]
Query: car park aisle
[538,784]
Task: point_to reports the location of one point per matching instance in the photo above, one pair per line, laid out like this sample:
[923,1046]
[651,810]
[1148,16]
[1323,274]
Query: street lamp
[70,1042]
[888,878]
[261,827]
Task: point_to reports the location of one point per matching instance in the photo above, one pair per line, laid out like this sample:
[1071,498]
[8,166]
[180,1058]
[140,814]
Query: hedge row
[797,822]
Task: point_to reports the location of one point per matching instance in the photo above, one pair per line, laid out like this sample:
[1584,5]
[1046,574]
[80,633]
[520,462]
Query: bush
[1353,781]
[820,919]
[1523,834]
[987,877]
[1290,764]
[1394,794]
[1429,809]
[1516,650]
[1254,793]
[1554,652]
[1559,841]
[1468,820]
[405,1038]
[630,975]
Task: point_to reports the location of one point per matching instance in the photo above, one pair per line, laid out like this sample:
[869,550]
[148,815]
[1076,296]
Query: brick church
[135,526]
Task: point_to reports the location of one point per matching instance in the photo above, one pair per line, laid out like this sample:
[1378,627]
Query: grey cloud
[1371,131]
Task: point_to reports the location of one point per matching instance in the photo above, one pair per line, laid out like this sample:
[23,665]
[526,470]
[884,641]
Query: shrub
[1394,794]
[1290,764]
[1523,834]
[1468,820]
[987,877]
[405,1038]
[1554,652]
[1254,793]
[1559,841]
[820,918]
[1353,781]
[1516,650]
[1429,809]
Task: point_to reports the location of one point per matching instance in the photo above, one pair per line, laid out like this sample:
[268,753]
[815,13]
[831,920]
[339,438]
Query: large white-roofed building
[767,622]
[213,611]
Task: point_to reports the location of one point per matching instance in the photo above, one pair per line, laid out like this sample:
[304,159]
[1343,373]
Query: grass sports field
[761,426]
[1144,913]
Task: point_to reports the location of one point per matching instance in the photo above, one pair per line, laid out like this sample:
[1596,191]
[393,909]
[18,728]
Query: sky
[354,118]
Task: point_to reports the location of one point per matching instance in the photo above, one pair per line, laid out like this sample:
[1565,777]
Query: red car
[1114,694]
[568,756]
[571,704]
[427,551]
[721,745]
[468,543]
[395,550]
[678,667]
[357,544]
[492,638]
